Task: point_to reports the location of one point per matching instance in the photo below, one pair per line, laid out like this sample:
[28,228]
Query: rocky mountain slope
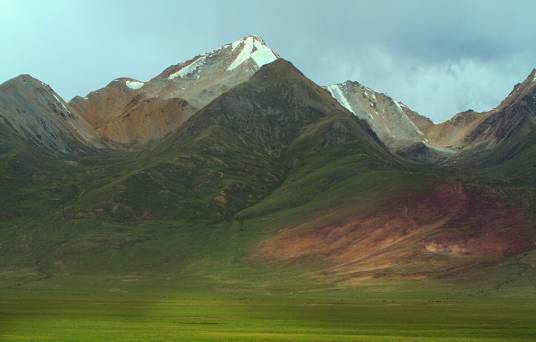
[128,113]
[124,116]
[132,112]
[510,123]
[386,116]
[236,150]
[452,132]
[417,137]
[503,126]
[39,116]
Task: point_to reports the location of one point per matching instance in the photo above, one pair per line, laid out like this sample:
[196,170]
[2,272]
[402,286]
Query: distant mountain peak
[254,48]
[532,78]
[231,56]
[23,77]
[243,39]
[519,91]
[37,114]
[26,80]
[530,81]
[196,82]
[388,118]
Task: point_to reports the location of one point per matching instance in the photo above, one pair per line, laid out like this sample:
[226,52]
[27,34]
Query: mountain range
[235,158]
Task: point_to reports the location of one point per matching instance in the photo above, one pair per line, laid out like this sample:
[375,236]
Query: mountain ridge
[129,113]
[196,82]
[38,114]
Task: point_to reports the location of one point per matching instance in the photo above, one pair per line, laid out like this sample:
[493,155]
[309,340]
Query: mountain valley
[233,176]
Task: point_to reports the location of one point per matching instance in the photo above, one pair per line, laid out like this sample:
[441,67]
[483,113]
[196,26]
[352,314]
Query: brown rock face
[130,117]
[104,105]
[452,133]
[133,113]
[444,231]
[422,122]
[147,120]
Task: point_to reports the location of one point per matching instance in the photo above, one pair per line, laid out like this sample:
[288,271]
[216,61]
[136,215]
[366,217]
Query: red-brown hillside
[451,228]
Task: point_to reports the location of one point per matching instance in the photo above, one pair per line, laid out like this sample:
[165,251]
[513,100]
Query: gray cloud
[439,57]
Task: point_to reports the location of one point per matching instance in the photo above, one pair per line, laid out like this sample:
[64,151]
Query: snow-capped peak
[233,55]
[252,47]
[237,43]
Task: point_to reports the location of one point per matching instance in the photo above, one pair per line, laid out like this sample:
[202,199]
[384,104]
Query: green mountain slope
[235,151]
[274,176]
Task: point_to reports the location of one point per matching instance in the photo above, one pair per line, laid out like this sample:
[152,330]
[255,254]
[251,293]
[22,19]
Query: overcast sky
[438,57]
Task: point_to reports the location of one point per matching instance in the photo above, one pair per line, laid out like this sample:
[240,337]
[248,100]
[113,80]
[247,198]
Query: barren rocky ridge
[128,113]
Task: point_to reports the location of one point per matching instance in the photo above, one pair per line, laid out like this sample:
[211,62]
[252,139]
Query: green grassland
[92,279]
[196,310]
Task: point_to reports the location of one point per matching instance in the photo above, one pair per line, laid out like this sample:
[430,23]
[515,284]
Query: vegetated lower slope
[229,156]
[272,175]
[40,139]
[262,209]
[470,217]
[235,151]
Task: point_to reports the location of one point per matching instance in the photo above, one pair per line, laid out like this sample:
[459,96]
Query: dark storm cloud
[439,57]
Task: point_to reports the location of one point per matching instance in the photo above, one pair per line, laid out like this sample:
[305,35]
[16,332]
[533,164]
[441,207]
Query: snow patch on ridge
[336,92]
[191,68]
[61,102]
[236,44]
[253,49]
[134,84]
[399,105]
[244,54]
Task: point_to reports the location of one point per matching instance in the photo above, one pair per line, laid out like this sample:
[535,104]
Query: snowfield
[134,84]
